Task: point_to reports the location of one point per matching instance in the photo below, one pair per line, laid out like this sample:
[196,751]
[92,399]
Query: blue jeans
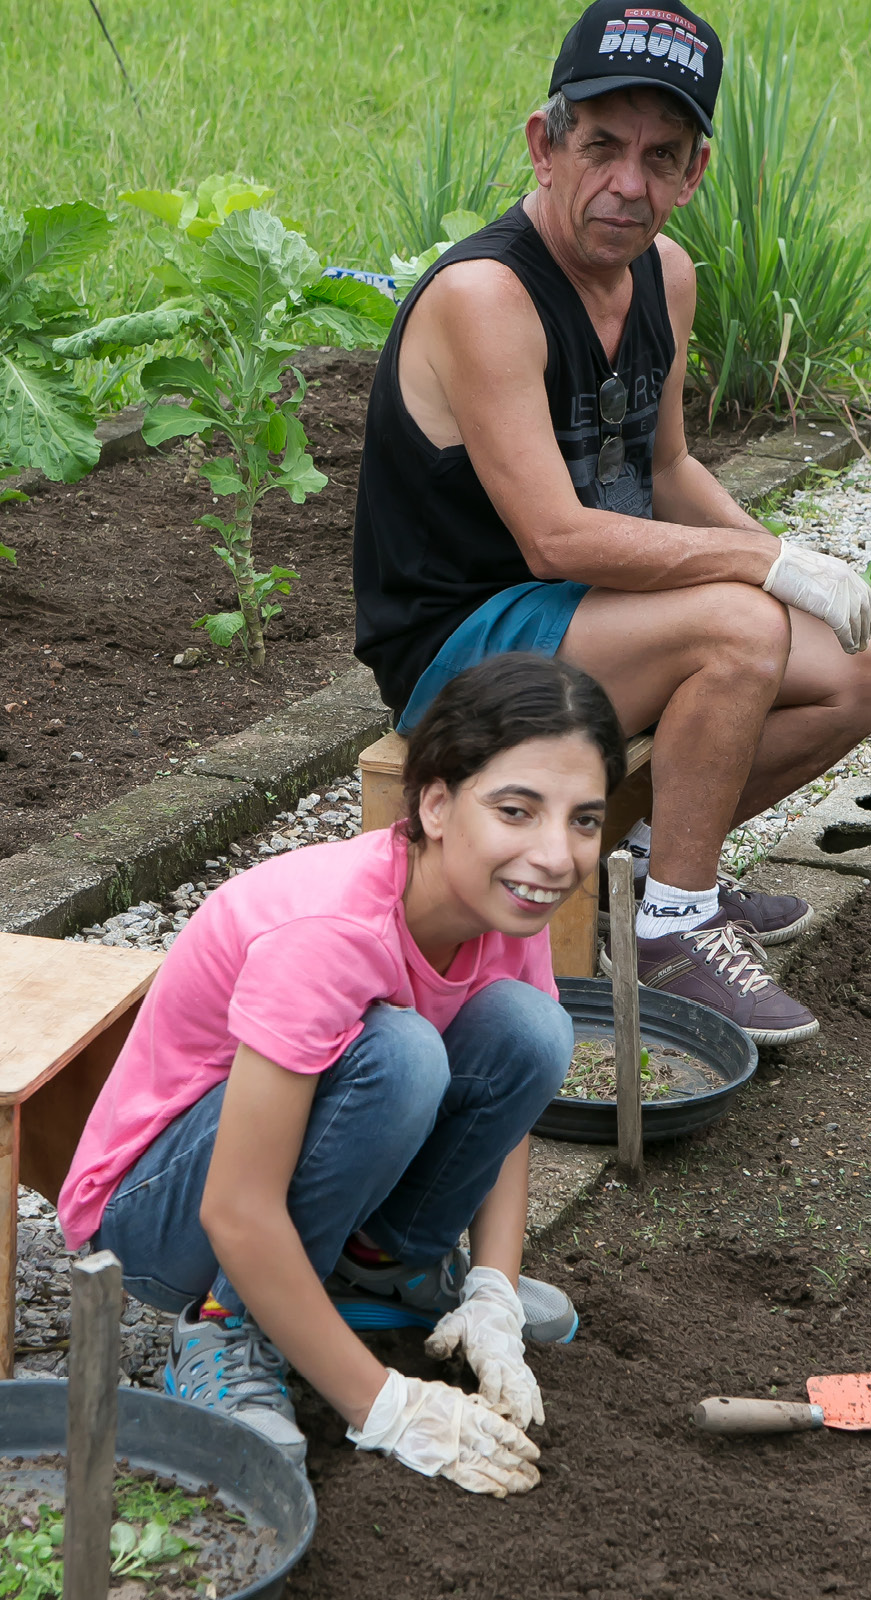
[407,1135]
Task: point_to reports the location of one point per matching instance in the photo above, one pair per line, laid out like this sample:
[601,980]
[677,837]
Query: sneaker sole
[782,1035]
[551,1338]
[759,1035]
[365,1317]
[775,936]
[370,1316]
[783,935]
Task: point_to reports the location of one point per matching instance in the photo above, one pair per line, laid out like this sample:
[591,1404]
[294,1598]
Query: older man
[526,485]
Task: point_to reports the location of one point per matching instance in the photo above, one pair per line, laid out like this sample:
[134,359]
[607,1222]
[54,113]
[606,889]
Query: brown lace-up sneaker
[771,918]
[719,965]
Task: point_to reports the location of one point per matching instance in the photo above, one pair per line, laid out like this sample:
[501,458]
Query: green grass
[295,96]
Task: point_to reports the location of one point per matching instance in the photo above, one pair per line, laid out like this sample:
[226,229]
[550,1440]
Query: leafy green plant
[784,301]
[134,1552]
[458,169]
[45,422]
[31,1565]
[254,295]
[32,1559]
[198,213]
[139,1499]
[455,225]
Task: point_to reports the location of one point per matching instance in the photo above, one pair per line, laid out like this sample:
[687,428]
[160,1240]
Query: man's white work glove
[825,587]
[435,1429]
[486,1327]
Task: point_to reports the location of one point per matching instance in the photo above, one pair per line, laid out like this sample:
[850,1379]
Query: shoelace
[726,880]
[250,1351]
[732,949]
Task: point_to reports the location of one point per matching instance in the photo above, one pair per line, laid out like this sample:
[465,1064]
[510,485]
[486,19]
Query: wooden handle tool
[731,1414]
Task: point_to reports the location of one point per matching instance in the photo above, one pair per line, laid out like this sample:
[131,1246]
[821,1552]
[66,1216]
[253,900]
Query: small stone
[55,727]
[192,657]
[795,1143]
[77,755]
[235,850]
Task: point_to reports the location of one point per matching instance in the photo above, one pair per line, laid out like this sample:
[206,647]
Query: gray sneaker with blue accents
[402,1296]
[229,1365]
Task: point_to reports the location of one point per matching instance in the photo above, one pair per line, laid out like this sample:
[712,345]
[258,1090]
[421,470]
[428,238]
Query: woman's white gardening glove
[435,1429]
[825,587]
[486,1326]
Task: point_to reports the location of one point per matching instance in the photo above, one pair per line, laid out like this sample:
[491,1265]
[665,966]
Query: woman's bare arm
[496,1233]
[244,1212]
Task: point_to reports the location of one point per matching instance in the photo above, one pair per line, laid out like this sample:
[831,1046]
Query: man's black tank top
[429,547]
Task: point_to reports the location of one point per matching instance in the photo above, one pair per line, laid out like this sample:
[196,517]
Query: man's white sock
[665,909]
[637,842]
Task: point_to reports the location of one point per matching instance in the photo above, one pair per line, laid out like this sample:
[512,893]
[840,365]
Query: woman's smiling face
[514,841]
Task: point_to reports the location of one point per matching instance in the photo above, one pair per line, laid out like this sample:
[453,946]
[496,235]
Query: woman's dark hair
[498,704]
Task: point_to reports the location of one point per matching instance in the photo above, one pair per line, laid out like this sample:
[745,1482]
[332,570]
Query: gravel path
[834,518]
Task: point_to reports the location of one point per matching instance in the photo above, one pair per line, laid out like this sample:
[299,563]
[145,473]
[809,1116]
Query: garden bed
[742,1268]
[112,572]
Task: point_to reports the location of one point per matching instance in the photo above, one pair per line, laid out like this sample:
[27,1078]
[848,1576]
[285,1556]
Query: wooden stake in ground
[627,1025]
[92,1414]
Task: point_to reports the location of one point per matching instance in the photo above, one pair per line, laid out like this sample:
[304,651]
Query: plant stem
[243,572]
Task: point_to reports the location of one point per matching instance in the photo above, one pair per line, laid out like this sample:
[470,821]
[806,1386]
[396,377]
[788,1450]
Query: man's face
[614,181]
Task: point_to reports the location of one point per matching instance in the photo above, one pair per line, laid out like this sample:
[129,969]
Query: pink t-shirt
[285,958]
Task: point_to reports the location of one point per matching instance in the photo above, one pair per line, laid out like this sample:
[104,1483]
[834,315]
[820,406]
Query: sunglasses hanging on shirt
[612,410]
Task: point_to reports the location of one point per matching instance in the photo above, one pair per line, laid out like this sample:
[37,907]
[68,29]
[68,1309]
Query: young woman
[335,1073]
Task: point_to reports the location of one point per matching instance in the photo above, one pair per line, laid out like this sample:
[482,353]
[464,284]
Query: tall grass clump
[450,164]
[784,299]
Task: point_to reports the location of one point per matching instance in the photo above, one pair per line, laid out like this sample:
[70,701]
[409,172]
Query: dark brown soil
[742,1268]
[111,574]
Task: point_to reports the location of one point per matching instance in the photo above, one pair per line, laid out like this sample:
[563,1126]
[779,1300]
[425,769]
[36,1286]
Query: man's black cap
[634,47]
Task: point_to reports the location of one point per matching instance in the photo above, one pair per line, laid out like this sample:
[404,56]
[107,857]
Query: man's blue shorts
[529,616]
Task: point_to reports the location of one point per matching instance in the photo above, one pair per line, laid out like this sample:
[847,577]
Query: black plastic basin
[665,1020]
[180,1441]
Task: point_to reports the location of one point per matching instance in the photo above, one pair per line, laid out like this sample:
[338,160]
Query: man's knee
[749,626]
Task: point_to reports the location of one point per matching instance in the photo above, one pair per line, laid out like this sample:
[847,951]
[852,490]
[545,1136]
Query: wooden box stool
[68,1009]
[573,929]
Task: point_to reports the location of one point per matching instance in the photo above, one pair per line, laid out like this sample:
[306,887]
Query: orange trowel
[836,1402]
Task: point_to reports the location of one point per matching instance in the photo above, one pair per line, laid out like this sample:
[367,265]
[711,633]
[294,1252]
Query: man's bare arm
[485,353]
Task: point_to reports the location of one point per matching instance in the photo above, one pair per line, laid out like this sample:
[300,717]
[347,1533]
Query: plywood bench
[66,1009]
[573,930]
